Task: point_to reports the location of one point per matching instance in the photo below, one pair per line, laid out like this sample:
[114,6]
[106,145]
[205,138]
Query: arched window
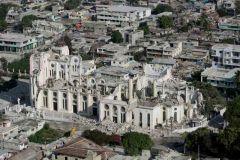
[45,99]
[148,120]
[123,115]
[106,112]
[164,114]
[140,119]
[65,107]
[175,116]
[115,110]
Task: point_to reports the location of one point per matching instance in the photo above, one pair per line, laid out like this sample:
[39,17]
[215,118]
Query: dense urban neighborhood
[119,79]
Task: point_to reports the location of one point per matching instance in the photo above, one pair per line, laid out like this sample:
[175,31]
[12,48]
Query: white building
[16,43]
[220,77]
[7,130]
[122,14]
[226,55]
[111,50]
[164,49]
[125,92]
[47,28]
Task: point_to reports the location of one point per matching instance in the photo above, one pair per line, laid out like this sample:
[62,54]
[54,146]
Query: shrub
[134,143]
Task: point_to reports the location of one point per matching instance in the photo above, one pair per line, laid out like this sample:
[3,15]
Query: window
[140,119]
[164,114]
[45,101]
[148,120]
[175,116]
[115,110]
[106,112]
[123,115]
[55,94]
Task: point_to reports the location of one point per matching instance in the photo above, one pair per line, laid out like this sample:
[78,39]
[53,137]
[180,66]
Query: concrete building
[232,24]
[16,43]
[164,49]
[63,83]
[82,149]
[7,130]
[111,50]
[122,14]
[47,28]
[225,55]
[132,36]
[220,77]
[194,55]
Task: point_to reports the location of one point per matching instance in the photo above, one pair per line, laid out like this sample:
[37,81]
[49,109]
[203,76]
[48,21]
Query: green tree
[162,8]
[203,22]
[3,25]
[48,8]
[4,8]
[196,76]
[237,5]
[165,22]
[22,64]
[72,4]
[27,20]
[97,136]
[134,142]
[45,135]
[222,12]
[144,27]
[228,40]
[133,2]
[237,78]
[65,40]
[116,37]
[211,96]
[232,114]
[3,62]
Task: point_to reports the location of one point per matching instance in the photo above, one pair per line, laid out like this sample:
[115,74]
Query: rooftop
[120,8]
[14,37]
[220,72]
[80,148]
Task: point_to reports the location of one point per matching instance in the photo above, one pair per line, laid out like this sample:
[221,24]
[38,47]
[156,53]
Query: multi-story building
[7,130]
[132,36]
[226,55]
[122,93]
[164,49]
[220,77]
[81,148]
[16,43]
[232,24]
[47,27]
[122,14]
[111,50]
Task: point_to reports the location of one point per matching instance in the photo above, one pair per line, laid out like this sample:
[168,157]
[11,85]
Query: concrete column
[57,70]
[130,89]
[101,112]
[186,94]
[119,114]
[119,92]
[59,101]
[128,116]
[111,112]
[50,100]
[79,102]
[163,90]
[154,88]
[69,102]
